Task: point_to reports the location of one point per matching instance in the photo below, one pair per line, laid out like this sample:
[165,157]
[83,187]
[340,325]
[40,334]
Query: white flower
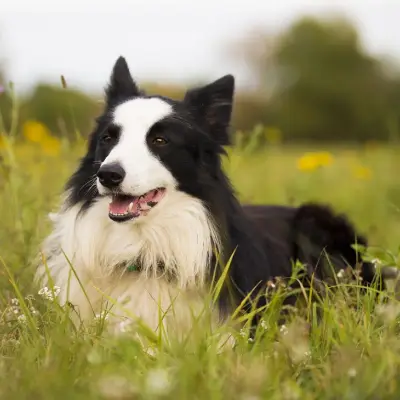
[263,325]
[250,340]
[15,310]
[57,290]
[158,381]
[284,330]
[242,333]
[49,294]
[15,302]
[22,318]
[340,274]
[34,311]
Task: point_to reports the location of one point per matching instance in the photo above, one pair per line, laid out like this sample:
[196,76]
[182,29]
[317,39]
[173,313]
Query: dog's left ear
[121,86]
[214,103]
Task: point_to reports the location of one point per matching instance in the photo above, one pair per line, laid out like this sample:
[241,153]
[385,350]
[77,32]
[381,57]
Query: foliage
[322,85]
[63,111]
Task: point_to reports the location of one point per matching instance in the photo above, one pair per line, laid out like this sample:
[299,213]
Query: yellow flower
[361,172]
[311,161]
[325,158]
[51,145]
[35,131]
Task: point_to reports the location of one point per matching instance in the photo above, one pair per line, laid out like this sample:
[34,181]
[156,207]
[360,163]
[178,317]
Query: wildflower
[340,274]
[35,131]
[15,302]
[242,333]
[311,161]
[34,311]
[48,294]
[158,381]
[22,318]
[361,172]
[271,284]
[284,330]
[263,325]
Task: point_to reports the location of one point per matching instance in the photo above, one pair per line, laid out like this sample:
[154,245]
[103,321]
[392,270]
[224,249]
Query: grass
[350,354]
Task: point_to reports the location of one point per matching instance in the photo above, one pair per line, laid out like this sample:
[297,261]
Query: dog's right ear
[121,86]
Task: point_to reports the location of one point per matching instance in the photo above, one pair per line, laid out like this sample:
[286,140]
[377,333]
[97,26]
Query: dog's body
[150,193]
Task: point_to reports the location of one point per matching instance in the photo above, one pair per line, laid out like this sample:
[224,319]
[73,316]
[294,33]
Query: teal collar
[132,268]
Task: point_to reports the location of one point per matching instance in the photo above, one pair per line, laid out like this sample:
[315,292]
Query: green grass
[351,354]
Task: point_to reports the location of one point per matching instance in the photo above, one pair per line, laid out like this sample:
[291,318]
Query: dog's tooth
[130,207]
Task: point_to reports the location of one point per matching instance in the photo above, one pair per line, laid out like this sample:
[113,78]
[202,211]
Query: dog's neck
[179,233]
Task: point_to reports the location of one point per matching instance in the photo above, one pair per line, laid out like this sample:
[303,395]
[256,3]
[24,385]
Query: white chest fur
[178,232]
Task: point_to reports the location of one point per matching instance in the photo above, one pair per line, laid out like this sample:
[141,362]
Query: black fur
[266,239]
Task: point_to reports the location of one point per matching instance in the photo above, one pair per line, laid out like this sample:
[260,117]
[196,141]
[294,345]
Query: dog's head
[145,146]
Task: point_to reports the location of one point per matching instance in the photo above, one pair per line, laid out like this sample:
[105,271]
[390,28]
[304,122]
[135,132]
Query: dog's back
[312,234]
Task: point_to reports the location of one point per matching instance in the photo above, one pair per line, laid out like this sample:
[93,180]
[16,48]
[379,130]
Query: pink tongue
[121,205]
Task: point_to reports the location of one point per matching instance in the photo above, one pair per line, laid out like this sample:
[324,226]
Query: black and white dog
[149,207]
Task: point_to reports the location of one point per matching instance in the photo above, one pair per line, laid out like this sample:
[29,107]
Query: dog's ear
[121,86]
[213,103]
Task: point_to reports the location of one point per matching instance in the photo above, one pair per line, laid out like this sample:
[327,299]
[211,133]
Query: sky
[162,40]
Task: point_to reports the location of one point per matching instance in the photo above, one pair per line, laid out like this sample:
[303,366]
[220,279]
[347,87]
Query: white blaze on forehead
[144,171]
[139,115]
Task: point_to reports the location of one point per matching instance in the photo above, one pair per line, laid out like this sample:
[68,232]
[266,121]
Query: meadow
[351,354]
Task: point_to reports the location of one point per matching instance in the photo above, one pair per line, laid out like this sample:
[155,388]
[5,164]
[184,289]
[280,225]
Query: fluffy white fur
[177,232]
[144,171]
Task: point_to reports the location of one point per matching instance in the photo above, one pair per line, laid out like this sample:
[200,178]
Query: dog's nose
[111,175]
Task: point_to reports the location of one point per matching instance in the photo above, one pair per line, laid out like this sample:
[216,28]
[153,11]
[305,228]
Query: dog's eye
[160,141]
[106,138]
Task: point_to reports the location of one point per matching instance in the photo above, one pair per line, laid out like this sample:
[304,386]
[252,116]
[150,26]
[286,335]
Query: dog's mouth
[125,207]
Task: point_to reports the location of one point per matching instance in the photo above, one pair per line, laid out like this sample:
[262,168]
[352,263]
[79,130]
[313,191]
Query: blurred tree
[321,84]
[64,111]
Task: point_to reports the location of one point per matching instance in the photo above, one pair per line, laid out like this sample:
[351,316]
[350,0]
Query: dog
[149,218]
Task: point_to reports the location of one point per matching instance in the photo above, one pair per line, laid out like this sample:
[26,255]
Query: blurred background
[320,70]
[316,114]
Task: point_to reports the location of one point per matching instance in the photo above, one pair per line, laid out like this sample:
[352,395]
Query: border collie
[149,210]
